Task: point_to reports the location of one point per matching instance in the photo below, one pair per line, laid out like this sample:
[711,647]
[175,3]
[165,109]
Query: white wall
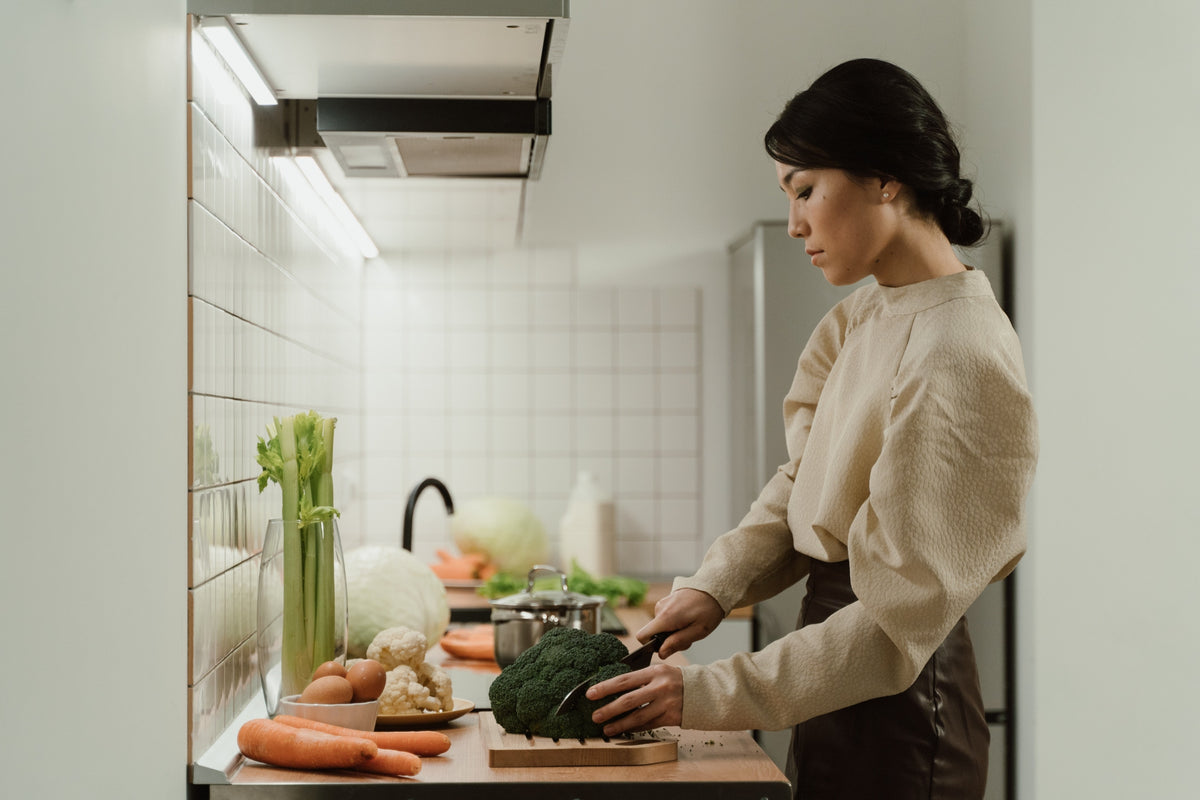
[656,162]
[1113,629]
[93,351]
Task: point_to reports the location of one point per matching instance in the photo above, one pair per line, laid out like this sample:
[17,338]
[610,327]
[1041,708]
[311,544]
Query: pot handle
[546,568]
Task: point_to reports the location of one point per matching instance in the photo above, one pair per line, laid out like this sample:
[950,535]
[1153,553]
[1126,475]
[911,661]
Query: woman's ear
[888,189]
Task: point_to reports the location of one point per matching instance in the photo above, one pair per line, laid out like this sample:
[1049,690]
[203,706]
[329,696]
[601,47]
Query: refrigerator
[777,299]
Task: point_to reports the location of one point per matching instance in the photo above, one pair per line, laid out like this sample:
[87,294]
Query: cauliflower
[404,693]
[437,681]
[399,646]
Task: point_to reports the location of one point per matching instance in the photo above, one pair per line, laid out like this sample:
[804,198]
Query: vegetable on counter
[526,693]
[464,567]
[412,684]
[387,587]
[615,589]
[281,745]
[421,743]
[504,531]
[392,762]
[477,642]
[298,743]
[299,457]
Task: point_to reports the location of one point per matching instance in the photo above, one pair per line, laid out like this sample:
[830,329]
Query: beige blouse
[912,444]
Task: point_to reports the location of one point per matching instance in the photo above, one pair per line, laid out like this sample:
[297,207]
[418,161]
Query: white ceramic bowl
[359,716]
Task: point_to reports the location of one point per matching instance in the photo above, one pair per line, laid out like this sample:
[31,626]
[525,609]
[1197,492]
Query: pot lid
[548,598]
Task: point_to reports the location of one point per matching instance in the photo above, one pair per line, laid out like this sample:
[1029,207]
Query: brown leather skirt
[929,742]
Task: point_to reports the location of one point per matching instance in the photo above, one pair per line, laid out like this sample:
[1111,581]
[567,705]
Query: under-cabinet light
[317,179]
[225,41]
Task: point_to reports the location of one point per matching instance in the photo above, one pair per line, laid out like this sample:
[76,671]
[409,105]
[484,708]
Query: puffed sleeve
[945,514]
[944,517]
[757,559]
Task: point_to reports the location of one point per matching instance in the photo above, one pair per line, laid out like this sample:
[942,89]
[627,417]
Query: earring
[886,195]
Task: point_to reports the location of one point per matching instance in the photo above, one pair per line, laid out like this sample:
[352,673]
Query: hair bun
[958,193]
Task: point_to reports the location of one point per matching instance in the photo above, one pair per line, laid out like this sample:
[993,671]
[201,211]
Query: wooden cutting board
[516,750]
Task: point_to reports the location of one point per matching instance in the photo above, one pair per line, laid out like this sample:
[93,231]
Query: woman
[912,444]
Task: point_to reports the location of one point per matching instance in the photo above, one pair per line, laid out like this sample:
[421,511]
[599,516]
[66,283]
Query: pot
[519,620]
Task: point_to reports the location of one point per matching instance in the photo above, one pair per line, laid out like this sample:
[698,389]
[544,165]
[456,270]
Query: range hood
[407,88]
[433,137]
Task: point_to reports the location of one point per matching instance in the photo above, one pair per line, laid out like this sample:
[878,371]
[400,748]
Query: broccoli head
[527,692]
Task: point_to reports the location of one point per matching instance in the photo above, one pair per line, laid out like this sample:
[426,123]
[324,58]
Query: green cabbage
[506,531]
[387,587]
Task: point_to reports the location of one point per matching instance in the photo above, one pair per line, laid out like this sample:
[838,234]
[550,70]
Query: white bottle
[586,532]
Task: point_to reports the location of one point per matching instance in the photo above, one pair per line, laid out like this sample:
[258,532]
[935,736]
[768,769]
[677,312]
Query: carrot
[421,743]
[468,566]
[284,746]
[392,762]
[477,643]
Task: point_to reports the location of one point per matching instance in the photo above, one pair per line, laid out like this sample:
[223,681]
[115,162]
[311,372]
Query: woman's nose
[797,225]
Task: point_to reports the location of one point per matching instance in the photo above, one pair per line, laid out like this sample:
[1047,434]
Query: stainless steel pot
[520,620]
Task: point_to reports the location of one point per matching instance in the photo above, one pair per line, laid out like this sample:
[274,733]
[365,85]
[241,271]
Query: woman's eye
[804,194]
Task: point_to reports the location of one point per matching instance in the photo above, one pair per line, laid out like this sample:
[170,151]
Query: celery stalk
[296,666]
[324,635]
[299,457]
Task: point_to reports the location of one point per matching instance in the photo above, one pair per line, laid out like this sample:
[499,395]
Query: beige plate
[423,718]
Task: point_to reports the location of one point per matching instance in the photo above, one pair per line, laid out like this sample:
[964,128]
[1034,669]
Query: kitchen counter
[710,764]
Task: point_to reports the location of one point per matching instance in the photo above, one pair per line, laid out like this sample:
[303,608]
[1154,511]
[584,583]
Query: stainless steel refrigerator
[778,297]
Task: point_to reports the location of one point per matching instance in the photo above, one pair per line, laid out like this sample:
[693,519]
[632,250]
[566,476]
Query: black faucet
[406,536]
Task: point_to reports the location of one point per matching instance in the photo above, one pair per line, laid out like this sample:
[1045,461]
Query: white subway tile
[511,391]
[552,392]
[469,391]
[596,307]
[469,432]
[510,350]
[594,349]
[510,435]
[637,391]
[553,434]
[678,349]
[552,351]
[678,306]
[636,349]
[637,433]
[468,349]
[594,391]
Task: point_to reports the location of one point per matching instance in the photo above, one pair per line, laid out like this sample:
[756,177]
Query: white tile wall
[274,329]
[495,371]
[499,374]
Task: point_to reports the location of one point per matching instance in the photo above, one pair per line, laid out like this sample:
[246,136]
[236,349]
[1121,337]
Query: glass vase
[301,602]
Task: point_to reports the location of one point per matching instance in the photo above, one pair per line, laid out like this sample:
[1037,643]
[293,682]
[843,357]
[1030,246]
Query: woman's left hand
[654,698]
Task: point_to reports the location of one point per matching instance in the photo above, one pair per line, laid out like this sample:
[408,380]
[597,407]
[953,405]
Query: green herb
[299,457]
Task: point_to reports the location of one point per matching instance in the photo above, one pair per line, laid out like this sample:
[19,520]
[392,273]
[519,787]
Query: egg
[328,690]
[367,678]
[329,668]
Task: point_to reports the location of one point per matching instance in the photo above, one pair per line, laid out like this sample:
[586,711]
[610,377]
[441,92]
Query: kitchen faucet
[406,536]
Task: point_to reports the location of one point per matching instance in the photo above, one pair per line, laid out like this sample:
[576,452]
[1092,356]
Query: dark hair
[873,119]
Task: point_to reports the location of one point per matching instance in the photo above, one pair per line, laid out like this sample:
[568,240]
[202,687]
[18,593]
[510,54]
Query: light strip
[221,36]
[316,177]
[215,73]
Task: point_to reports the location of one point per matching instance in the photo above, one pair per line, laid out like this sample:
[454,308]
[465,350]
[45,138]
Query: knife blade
[637,659]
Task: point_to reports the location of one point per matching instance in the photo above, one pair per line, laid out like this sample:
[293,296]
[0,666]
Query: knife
[638,659]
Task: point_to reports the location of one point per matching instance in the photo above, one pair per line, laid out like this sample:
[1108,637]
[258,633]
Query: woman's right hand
[690,613]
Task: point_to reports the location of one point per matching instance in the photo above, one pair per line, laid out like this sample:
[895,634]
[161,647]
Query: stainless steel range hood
[409,88]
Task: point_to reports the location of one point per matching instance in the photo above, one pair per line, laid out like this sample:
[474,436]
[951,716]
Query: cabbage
[506,531]
[386,587]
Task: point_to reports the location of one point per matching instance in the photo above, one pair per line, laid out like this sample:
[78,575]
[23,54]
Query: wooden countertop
[710,764]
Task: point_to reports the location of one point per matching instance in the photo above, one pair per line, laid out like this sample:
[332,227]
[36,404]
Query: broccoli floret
[527,692]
